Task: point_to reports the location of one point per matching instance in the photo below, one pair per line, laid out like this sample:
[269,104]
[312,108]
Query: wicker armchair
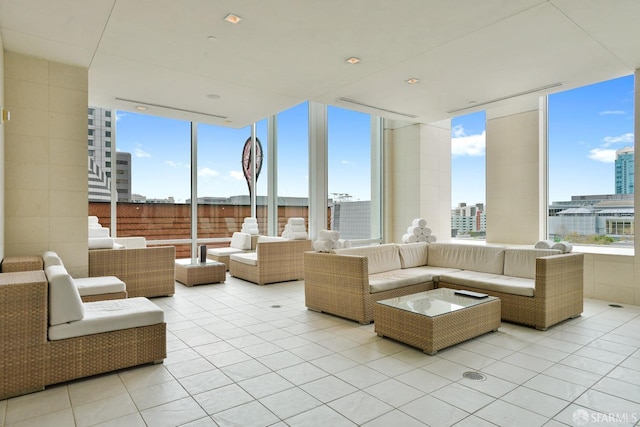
[29,361]
[273,261]
[148,272]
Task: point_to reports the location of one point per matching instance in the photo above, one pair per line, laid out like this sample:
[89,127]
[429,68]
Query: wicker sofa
[34,355]
[148,272]
[274,260]
[537,287]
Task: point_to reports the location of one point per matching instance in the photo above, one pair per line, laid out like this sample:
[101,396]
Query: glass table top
[435,302]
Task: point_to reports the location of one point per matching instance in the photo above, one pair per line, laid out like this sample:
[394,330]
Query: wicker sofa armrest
[337,284]
[148,272]
[559,288]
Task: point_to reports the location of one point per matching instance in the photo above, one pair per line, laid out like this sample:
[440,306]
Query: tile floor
[247,355]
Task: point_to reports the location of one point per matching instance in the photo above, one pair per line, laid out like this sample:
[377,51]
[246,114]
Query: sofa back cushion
[521,262]
[484,259]
[65,304]
[413,254]
[380,258]
[241,241]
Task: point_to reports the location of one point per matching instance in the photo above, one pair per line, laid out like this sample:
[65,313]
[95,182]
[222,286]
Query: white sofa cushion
[65,304]
[413,254]
[268,239]
[51,258]
[240,241]
[380,258]
[99,285]
[521,262]
[134,242]
[484,259]
[249,258]
[110,315]
[491,282]
[224,251]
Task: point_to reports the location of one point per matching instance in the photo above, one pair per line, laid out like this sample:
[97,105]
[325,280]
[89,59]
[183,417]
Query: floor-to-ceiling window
[351,173]
[151,177]
[468,167]
[591,164]
[159,206]
[293,165]
[223,193]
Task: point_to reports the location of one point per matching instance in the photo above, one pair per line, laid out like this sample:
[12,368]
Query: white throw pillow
[241,241]
[65,304]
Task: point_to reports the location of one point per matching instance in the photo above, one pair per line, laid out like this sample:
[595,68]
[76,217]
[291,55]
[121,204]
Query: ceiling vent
[167,107]
[362,104]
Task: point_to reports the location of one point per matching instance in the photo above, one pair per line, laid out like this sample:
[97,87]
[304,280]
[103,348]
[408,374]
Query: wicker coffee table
[436,319]
[191,273]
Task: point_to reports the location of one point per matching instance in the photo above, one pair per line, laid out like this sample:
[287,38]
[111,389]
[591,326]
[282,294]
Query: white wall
[514,165]
[46,196]
[417,179]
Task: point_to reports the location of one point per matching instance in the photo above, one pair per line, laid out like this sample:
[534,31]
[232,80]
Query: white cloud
[208,172]
[609,112]
[238,175]
[603,155]
[347,162]
[467,145]
[139,152]
[624,138]
[176,164]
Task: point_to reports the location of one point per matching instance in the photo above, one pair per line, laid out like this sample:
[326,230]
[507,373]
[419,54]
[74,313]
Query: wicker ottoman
[14,264]
[436,319]
[189,273]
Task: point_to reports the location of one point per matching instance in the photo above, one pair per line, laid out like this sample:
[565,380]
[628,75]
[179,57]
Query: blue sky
[160,155]
[586,127]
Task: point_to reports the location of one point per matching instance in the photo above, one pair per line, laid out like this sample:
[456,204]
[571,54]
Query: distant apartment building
[624,170]
[101,159]
[468,220]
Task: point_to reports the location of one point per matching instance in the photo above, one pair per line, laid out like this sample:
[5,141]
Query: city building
[468,221]
[101,158]
[590,216]
[624,170]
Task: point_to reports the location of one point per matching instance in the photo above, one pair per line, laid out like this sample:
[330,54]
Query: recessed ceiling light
[141,108]
[213,96]
[353,60]
[234,19]
[412,81]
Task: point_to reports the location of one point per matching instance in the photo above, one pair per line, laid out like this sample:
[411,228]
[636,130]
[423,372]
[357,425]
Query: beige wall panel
[32,230]
[21,176]
[67,152]
[27,68]
[25,148]
[69,178]
[27,95]
[27,122]
[67,203]
[28,203]
[69,126]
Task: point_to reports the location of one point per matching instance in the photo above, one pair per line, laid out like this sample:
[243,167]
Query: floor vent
[276,306]
[475,376]
[615,305]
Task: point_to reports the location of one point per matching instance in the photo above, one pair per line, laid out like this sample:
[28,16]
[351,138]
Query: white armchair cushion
[241,241]
[99,285]
[521,262]
[65,304]
[380,258]
[110,315]
[51,258]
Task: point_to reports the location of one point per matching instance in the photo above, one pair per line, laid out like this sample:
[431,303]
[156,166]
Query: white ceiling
[284,52]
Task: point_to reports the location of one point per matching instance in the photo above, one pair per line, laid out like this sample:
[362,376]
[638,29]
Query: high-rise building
[101,156]
[624,170]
